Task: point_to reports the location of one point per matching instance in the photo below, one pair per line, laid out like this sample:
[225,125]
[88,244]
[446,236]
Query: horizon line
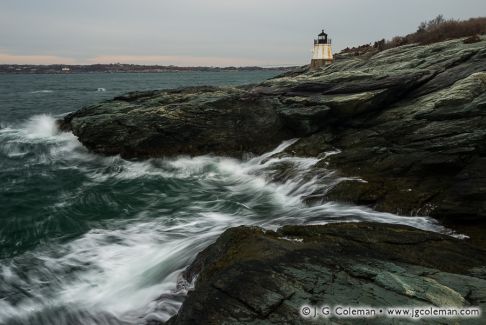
[156,65]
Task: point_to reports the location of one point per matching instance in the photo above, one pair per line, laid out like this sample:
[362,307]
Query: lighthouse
[322,52]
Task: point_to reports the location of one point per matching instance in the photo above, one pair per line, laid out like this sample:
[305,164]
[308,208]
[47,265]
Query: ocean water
[87,239]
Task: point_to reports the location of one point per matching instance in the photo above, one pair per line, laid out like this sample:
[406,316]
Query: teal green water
[32,187]
[86,239]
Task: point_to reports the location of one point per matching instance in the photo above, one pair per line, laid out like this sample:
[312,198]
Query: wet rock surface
[422,156]
[197,120]
[252,276]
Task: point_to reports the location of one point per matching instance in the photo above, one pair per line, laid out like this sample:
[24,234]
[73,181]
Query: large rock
[423,155]
[252,276]
[422,152]
[199,120]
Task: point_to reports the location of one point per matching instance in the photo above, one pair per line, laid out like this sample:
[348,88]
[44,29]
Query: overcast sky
[204,32]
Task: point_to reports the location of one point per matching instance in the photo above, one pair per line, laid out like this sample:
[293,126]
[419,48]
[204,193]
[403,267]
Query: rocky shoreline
[409,128]
[252,276]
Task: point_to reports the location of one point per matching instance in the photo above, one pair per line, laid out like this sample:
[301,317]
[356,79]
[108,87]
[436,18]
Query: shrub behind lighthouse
[322,52]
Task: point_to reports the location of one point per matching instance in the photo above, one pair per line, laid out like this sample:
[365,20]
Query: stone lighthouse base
[316,63]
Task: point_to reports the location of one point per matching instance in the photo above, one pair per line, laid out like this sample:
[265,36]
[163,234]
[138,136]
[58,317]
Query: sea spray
[40,126]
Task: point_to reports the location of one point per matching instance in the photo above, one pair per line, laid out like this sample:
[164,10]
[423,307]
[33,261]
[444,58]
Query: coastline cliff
[408,126]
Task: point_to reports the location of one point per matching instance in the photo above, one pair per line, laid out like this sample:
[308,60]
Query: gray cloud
[213,32]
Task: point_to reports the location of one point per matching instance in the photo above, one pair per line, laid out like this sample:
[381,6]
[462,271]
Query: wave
[38,140]
[49,91]
[125,269]
[43,91]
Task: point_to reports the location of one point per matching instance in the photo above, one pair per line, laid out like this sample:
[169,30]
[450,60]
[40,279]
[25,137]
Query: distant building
[322,52]
[66,69]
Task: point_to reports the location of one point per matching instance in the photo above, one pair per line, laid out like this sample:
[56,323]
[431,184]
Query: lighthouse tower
[322,53]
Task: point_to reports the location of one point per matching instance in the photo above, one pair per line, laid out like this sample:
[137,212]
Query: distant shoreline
[119,68]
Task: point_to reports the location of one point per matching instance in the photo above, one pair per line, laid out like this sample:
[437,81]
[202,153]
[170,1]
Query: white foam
[120,271]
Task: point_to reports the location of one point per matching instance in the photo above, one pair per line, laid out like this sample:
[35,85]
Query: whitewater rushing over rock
[135,225]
